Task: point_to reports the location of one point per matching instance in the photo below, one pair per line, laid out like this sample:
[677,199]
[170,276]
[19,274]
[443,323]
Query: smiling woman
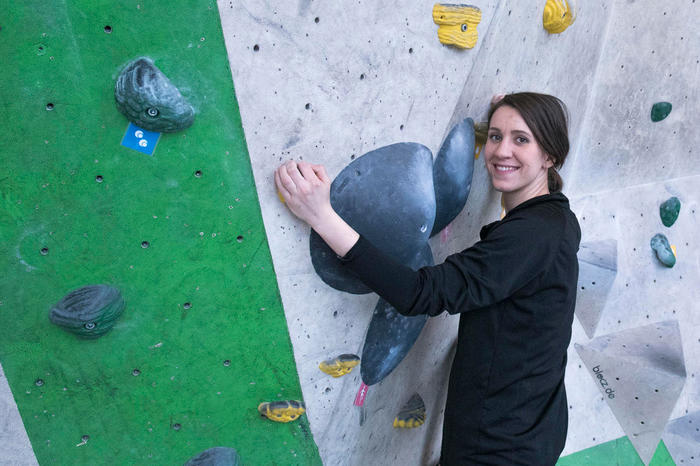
[515,289]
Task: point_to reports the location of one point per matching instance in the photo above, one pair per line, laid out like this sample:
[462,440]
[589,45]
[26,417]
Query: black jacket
[515,291]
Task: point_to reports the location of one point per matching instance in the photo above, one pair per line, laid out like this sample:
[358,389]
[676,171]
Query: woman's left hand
[306,190]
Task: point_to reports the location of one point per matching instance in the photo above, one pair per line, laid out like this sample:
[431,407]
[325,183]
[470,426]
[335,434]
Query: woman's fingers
[320,172]
[281,189]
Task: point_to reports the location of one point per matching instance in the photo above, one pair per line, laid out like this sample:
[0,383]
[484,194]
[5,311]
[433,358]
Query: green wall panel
[619,452]
[207,246]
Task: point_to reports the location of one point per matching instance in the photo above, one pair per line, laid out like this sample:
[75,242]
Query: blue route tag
[140,139]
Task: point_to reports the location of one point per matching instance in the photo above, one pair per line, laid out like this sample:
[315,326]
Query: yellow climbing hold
[558,15]
[279,194]
[457,24]
[412,414]
[338,367]
[673,248]
[282,411]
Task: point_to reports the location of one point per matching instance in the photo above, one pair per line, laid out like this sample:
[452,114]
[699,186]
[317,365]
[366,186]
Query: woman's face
[516,162]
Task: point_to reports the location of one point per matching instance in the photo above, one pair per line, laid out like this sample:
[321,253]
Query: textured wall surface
[203,339]
[326,83]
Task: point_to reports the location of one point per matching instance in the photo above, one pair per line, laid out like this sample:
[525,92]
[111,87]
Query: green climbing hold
[90,311]
[669,211]
[659,243]
[660,110]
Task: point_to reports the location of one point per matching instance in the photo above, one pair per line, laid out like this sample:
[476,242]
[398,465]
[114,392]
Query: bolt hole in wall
[198,174]
[145,244]
[187,305]
[239,238]
[44,251]
[49,106]
[108,29]
[99,178]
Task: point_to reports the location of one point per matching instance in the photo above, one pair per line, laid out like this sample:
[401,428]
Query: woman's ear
[548,162]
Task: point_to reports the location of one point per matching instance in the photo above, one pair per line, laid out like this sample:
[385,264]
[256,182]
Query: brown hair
[547,118]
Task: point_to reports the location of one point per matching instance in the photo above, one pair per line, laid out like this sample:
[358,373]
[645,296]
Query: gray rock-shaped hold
[387,196]
[597,262]
[90,311]
[640,373]
[390,335]
[216,456]
[452,173]
[148,99]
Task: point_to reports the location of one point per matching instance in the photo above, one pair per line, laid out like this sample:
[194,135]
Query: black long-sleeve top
[515,291]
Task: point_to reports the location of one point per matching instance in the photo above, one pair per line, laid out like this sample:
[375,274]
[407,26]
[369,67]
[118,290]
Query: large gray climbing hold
[390,335]
[148,99]
[597,271]
[90,311]
[452,173]
[682,439]
[640,373]
[387,196]
[216,456]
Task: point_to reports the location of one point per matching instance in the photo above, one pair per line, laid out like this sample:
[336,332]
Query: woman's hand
[306,191]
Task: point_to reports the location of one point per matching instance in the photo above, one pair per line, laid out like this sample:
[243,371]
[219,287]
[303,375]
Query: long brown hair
[547,118]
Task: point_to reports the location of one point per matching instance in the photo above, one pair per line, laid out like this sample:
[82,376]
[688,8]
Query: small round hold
[136,372]
[108,29]
[307,106]
[49,106]
[99,178]
[464,28]
[89,325]
[39,382]
[44,251]
[152,112]
[227,362]
[85,438]
[317,19]
[256,47]
[187,305]
[198,173]
[177,426]
[144,244]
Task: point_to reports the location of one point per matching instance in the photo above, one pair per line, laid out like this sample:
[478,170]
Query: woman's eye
[521,140]
[495,137]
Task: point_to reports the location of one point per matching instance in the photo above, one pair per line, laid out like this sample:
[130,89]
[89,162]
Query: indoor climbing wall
[327,84]
[195,332]
[177,227]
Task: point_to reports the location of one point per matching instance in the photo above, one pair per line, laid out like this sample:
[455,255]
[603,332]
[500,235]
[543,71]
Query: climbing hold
[90,311]
[659,243]
[457,24]
[282,411]
[558,15]
[412,414]
[339,366]
[216,456]
[148,99]
[386,195]
[660,110]
[452,174]
[669,211]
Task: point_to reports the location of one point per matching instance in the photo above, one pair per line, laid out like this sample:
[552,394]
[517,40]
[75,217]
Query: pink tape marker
[445,234]
[361,394]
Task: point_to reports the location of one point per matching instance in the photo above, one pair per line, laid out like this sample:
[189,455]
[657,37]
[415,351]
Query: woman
[515,289]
